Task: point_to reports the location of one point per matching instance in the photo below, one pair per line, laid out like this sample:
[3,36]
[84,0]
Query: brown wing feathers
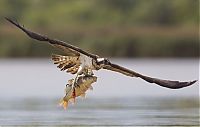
[57,43]
[167,83]
[69,63]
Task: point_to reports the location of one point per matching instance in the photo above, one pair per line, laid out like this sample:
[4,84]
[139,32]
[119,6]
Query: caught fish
[81,86]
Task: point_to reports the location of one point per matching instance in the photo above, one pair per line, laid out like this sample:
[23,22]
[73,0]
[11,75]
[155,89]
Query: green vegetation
[117,28]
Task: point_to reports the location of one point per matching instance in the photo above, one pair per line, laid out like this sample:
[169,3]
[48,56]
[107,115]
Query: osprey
[78,62]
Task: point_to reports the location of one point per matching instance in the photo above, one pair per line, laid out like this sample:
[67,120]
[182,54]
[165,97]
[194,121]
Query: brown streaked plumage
[69,63]
[85,61]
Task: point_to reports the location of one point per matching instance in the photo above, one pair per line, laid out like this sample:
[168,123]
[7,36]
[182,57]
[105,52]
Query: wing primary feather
[168,83]
[68,66]
[164,83]
[41,37]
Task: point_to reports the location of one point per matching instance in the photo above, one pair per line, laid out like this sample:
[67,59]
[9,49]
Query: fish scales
[82,85]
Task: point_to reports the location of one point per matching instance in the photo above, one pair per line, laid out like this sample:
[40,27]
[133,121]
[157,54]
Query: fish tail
[64,104]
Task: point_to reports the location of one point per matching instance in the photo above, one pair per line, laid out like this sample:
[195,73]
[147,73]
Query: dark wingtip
[192,82]
[15,23]
[6,18]
[185,84]
[168,83]
[29,33]
[10,20]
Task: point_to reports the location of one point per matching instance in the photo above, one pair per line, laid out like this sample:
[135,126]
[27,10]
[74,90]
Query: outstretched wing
[67,48]
[75,51]
[161,82]
[69,63]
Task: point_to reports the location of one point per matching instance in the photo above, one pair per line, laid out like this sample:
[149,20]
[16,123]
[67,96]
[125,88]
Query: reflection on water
[101,111]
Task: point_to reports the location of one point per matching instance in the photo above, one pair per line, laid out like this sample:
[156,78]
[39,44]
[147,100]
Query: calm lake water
[30,91]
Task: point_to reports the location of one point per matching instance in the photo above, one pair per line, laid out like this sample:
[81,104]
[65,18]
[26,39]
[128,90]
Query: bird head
[103,61]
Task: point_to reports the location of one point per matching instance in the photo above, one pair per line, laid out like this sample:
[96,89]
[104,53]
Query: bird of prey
[78,62]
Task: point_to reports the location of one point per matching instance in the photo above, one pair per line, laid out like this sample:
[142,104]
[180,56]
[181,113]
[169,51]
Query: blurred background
[113,28]
[159,38]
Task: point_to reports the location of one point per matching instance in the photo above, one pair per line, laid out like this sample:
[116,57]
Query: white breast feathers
[86,61]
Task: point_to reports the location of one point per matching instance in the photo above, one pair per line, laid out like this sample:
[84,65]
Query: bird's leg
[79,72]
[75,81]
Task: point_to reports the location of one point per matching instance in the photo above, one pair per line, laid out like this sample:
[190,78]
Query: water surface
[30,91]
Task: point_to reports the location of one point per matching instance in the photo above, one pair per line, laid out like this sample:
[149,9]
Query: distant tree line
[112,28]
